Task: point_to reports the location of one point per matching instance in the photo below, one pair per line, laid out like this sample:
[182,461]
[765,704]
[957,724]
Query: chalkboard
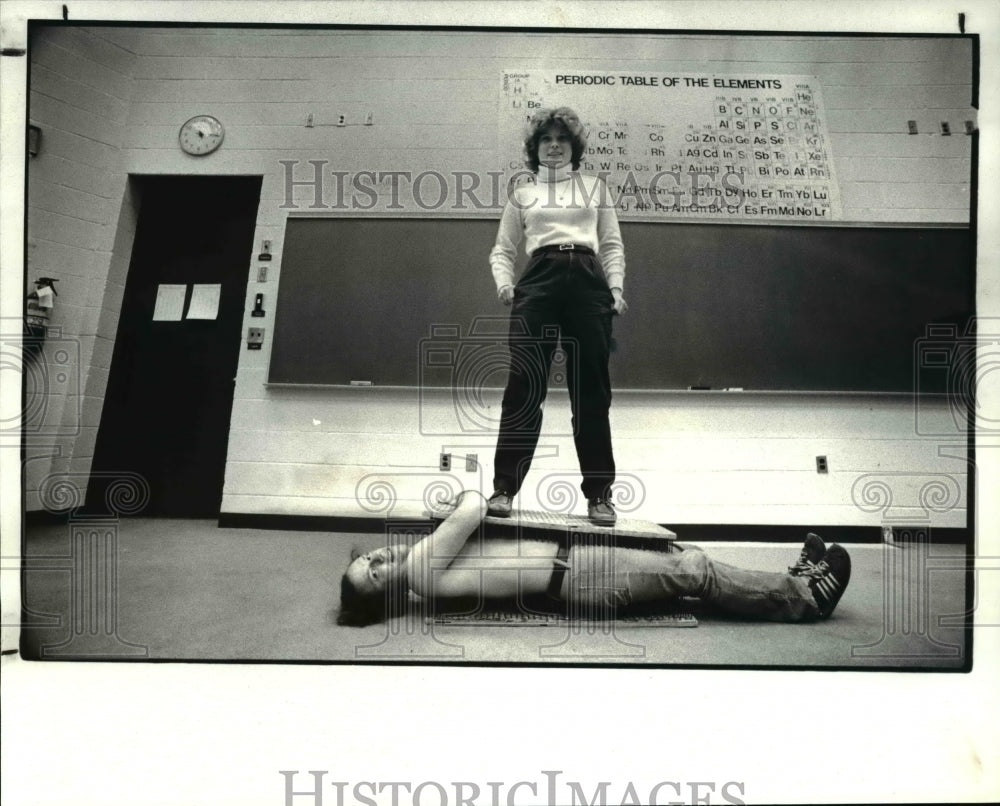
[399,302]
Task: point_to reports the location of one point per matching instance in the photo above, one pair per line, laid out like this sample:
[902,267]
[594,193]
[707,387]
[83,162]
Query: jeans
[562,298]
[603,578]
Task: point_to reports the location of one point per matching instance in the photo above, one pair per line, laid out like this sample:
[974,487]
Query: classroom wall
[81,218]
[685,457]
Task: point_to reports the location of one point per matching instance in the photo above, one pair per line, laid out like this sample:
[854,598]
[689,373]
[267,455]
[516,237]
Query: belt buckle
[564,246]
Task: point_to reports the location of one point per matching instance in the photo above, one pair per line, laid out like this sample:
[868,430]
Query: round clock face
[201,135]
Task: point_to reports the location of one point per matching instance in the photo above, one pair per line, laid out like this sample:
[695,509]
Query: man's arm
[428,561]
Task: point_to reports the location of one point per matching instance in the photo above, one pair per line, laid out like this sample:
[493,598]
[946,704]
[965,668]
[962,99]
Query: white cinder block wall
[80,229]
[113,100]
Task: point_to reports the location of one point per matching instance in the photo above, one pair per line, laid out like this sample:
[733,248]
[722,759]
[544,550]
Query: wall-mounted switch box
[471,462]
[255,338]
[258,305]
[444,462]
[262,274]
[821,466]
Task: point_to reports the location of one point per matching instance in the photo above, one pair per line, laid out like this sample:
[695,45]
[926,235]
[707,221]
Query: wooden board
[627,531]
[560,521]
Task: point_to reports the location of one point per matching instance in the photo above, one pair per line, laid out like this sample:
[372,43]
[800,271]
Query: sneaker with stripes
[828,579]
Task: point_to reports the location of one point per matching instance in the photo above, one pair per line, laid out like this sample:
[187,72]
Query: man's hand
[620,305]
[506,294]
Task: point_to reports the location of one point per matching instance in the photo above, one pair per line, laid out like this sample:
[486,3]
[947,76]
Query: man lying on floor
[586,576]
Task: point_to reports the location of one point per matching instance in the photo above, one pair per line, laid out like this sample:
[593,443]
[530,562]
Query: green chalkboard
[407,301]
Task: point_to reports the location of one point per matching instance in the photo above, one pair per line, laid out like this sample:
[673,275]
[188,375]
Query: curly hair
[562,118]
[358,609]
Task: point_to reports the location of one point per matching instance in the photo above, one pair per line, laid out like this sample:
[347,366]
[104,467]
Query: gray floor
[188,590]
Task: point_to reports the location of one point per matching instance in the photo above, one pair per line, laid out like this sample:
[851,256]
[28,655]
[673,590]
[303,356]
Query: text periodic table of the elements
[726,148]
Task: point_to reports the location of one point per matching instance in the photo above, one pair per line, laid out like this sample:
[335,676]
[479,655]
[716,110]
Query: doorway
[169,398]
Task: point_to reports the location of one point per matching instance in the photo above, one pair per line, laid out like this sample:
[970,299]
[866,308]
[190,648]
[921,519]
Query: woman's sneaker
[499,505]
[812,552]
[601,512]
[828,579]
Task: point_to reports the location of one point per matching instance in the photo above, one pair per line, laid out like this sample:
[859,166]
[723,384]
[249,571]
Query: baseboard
[44,517]
[310,523]
[753,533]
[694,532]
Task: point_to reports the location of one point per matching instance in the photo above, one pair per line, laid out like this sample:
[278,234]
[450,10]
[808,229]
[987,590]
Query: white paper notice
[169,303]
[205,302]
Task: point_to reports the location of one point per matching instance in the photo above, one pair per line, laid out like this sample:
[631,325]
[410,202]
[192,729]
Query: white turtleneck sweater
[562,206]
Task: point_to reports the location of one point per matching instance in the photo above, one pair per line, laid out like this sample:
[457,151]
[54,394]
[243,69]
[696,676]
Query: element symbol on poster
[727,148]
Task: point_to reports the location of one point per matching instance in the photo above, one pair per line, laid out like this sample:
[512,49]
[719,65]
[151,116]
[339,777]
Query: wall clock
[201,135]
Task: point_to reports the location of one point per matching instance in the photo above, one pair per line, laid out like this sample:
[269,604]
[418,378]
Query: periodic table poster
[678,146]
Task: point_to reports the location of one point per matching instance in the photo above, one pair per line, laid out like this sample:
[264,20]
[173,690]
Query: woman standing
[568,293]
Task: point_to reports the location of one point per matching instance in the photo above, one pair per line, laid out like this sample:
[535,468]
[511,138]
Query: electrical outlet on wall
[444,463]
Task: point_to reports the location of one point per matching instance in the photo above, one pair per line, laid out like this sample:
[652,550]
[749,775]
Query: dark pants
[561,297]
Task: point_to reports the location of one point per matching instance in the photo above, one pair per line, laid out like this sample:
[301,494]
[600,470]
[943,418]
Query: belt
[563,247]
[559,567]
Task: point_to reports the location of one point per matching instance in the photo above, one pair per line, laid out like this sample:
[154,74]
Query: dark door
[170,390]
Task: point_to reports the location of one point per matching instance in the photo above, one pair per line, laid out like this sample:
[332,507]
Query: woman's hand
[620,305]
[506,294]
